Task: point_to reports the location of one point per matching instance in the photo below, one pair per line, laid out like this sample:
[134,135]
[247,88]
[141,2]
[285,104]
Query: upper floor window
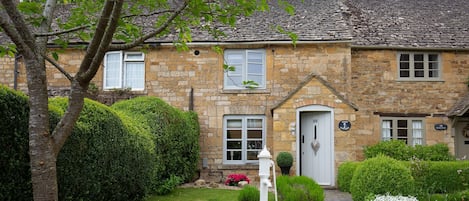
[409,130]
[419,66]
[124,70]
[244,137]
[248,68]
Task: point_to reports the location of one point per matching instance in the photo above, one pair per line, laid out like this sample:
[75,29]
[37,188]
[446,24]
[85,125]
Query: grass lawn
[200,194]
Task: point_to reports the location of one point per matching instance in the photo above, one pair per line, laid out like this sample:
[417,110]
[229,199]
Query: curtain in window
[386,130]
[134,75]
[113,70]
[417,133]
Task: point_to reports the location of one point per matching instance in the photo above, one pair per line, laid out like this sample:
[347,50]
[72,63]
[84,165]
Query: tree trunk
[41,146]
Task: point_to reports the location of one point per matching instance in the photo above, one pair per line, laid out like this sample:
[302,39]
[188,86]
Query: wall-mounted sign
[441,127]
[345,125]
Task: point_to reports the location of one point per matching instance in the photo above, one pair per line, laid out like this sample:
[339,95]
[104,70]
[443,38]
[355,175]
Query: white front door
[461,140]
[316,146]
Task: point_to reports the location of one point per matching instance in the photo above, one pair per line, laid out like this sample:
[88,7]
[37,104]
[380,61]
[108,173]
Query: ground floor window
[244,137]
[409,130]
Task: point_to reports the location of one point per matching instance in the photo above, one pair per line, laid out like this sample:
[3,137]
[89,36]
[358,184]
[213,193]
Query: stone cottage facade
[361,72]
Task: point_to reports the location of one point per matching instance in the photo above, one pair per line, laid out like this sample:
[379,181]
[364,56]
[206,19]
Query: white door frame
[315,108]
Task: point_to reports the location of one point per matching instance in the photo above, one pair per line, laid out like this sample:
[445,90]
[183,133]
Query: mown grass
[200,194]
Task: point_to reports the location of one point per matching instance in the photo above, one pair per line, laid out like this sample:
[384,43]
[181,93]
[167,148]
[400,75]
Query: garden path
[336,195]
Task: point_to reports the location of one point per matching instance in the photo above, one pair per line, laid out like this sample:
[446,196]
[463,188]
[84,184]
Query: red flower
[233,179]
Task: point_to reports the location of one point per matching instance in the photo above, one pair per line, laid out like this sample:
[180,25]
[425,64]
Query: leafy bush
[175,135]
[105,158]
[457,196]
[381,175]
[440,176]
[249,193]
[345,175]
[15,174]
[298,188]
[398,150]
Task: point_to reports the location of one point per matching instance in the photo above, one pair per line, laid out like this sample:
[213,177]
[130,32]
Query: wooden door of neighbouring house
[461,140]
[316,146]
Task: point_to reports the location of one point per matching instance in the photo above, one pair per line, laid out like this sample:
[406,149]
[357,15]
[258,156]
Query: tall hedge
[104,158]
[176,137]
[15,174]
[398,150]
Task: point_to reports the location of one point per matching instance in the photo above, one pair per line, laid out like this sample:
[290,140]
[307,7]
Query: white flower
[394,198]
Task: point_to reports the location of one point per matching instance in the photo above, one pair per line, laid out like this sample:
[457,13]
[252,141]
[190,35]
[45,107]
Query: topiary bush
[398,150]
[345,175]
[249,193]
[15,174]
[107,157]
[298,188]
[175,135]
[381,175]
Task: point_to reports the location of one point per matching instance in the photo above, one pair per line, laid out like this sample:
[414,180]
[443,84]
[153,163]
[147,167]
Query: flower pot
[285,170]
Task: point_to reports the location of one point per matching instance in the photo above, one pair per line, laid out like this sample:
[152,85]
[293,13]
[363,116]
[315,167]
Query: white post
[264,173]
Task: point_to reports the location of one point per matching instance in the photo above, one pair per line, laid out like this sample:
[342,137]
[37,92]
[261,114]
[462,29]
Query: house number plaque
[345,125]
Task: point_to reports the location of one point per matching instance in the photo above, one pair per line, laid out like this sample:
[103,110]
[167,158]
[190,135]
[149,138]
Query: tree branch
[148,14]
[58,67]
[142,39]
[106,41]
[20,26]
[48,14]
[61,32]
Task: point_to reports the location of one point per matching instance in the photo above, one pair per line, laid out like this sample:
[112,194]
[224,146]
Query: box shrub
[15,174]
[457,196]
[249,193]
[440,176]
[381,175]
[345,175]
[298,188]
[175,135]
[105,158]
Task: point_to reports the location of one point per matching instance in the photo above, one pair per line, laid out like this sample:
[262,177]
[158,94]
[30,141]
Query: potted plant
[285,161]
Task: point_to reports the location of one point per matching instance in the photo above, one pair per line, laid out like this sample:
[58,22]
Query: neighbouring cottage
[361,72]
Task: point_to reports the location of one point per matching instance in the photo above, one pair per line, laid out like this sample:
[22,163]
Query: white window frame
[244,68]
[124,60]
[244,140]
[426,68]
[415,133]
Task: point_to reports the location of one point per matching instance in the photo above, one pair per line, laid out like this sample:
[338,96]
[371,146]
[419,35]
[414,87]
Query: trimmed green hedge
[440,176]
[379,176]
[176,137]
[398,150]
[15,174]
[345,175]
[296,188]
[103,159]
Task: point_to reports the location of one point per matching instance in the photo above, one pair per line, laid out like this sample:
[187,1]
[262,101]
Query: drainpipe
[16,71]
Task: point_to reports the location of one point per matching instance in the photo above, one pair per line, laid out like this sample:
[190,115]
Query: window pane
[233,145]
[402,123]
[419,73]
[404,65]
[432,57]
[255,69]
[255,57]
[233,134]
[386,127]
[254,123]
[404,57]
[252,155]
[134,56]
[418,57]
[401,133]
[255,144]
[234,81]
[234,123]
[233,155]
[259,79]
[433,73]
[254,134]
[238,70]
[417,132]
[135,75]
[234,58]
[404,73]
[113,70]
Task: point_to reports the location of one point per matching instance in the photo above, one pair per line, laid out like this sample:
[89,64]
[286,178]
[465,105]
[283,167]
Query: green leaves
[9,50]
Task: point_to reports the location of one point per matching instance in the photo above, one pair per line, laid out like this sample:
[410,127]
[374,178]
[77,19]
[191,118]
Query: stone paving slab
[336,195]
